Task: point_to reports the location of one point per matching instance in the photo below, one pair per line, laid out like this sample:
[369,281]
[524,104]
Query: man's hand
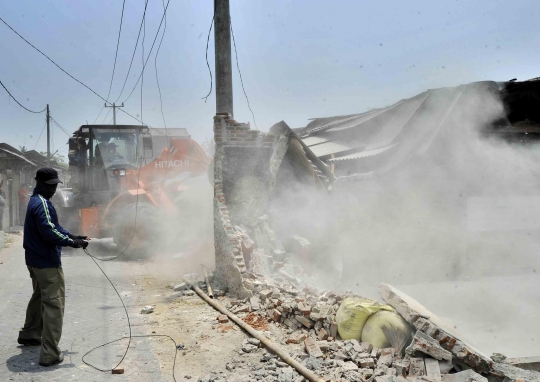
[79,243]
[82,237]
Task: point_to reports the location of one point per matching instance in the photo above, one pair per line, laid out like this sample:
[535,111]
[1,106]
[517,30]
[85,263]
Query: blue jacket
[44,237]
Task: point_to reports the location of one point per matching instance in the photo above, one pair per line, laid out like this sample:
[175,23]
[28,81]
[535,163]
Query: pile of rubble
[302,320]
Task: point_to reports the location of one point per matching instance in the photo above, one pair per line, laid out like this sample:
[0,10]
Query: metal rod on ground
[265,341]
[208,286]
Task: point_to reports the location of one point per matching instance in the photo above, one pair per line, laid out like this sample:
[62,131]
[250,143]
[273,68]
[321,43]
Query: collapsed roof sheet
[363,154]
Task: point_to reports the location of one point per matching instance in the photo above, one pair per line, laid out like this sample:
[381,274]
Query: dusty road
[95,316]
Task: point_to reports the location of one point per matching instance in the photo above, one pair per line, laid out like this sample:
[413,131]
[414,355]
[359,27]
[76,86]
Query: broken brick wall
[245,164]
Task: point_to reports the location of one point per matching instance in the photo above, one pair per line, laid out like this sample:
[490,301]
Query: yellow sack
[373,330]
[353,314]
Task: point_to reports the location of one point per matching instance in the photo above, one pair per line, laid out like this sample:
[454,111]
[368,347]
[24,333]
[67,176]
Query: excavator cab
[100,158]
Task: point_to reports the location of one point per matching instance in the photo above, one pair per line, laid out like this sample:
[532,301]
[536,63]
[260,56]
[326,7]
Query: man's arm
[48,230]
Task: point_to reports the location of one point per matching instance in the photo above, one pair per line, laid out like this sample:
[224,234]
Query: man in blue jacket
[44,238]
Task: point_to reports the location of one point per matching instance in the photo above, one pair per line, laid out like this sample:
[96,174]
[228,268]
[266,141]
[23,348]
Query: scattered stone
[296,338]
[313,363]
[367,363]
[249,348]
[312,348]
[322,335]
[147,309]
[254,301]
[498,357]
[189,293]
[223,319]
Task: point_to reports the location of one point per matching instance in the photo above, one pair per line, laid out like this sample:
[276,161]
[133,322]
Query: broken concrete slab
[464,376]
[428,323]
[423,343]
[526,363]
[425,321]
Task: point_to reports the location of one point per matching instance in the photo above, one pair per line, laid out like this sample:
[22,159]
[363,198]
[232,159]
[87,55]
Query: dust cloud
[412,225]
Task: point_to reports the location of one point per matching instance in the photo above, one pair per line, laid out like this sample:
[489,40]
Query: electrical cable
[205,98]
[20,104]
[150,53]
[58,66]
[130,337]
[40,134]
[59,126]
[161,107]
[155,66]
[115,57]
[51,60]
[134,51]
[240,73]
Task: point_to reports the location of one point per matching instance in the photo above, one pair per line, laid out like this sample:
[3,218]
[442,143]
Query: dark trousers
[45,311]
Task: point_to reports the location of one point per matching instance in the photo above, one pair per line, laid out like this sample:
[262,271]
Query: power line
[40,134]
[134,50]
[117,45]
[151,48]
[60,127]
[115,57]
[51,60]
[21,105]
[241,80]
[155,66]
[207,64]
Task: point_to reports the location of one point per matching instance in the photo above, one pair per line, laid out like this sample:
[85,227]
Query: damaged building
[264,257]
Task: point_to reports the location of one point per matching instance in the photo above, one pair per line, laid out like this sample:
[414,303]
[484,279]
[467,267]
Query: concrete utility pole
[114,107]
[48,137]
[222,40]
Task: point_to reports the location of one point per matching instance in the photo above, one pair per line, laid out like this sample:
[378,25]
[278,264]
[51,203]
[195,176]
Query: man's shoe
[55,362]
[29,342]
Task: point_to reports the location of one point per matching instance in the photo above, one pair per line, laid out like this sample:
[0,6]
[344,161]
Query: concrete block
[417,367]
[526,363]
[432,369]
[312,348]
[422,343]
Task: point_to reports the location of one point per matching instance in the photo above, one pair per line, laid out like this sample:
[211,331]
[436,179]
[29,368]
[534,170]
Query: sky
[299,59]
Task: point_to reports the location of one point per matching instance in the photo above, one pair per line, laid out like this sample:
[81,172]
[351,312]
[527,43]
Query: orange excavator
[119,188]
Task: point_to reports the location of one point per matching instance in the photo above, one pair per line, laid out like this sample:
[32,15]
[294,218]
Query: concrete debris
[148,309]
[526,363]
[422,343]
[432,369]
[464,376]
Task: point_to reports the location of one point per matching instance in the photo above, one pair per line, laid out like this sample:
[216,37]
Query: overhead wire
[149,53]
[134,51]
[86,86]
[205,98]
[115,58]
[20,104]
[51,60]
[240,74]
[40,134]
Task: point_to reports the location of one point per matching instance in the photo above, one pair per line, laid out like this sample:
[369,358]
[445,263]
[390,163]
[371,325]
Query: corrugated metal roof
[310,141]
[363,154]
[336,147]
[397,122]
[14,152]
[360,120]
